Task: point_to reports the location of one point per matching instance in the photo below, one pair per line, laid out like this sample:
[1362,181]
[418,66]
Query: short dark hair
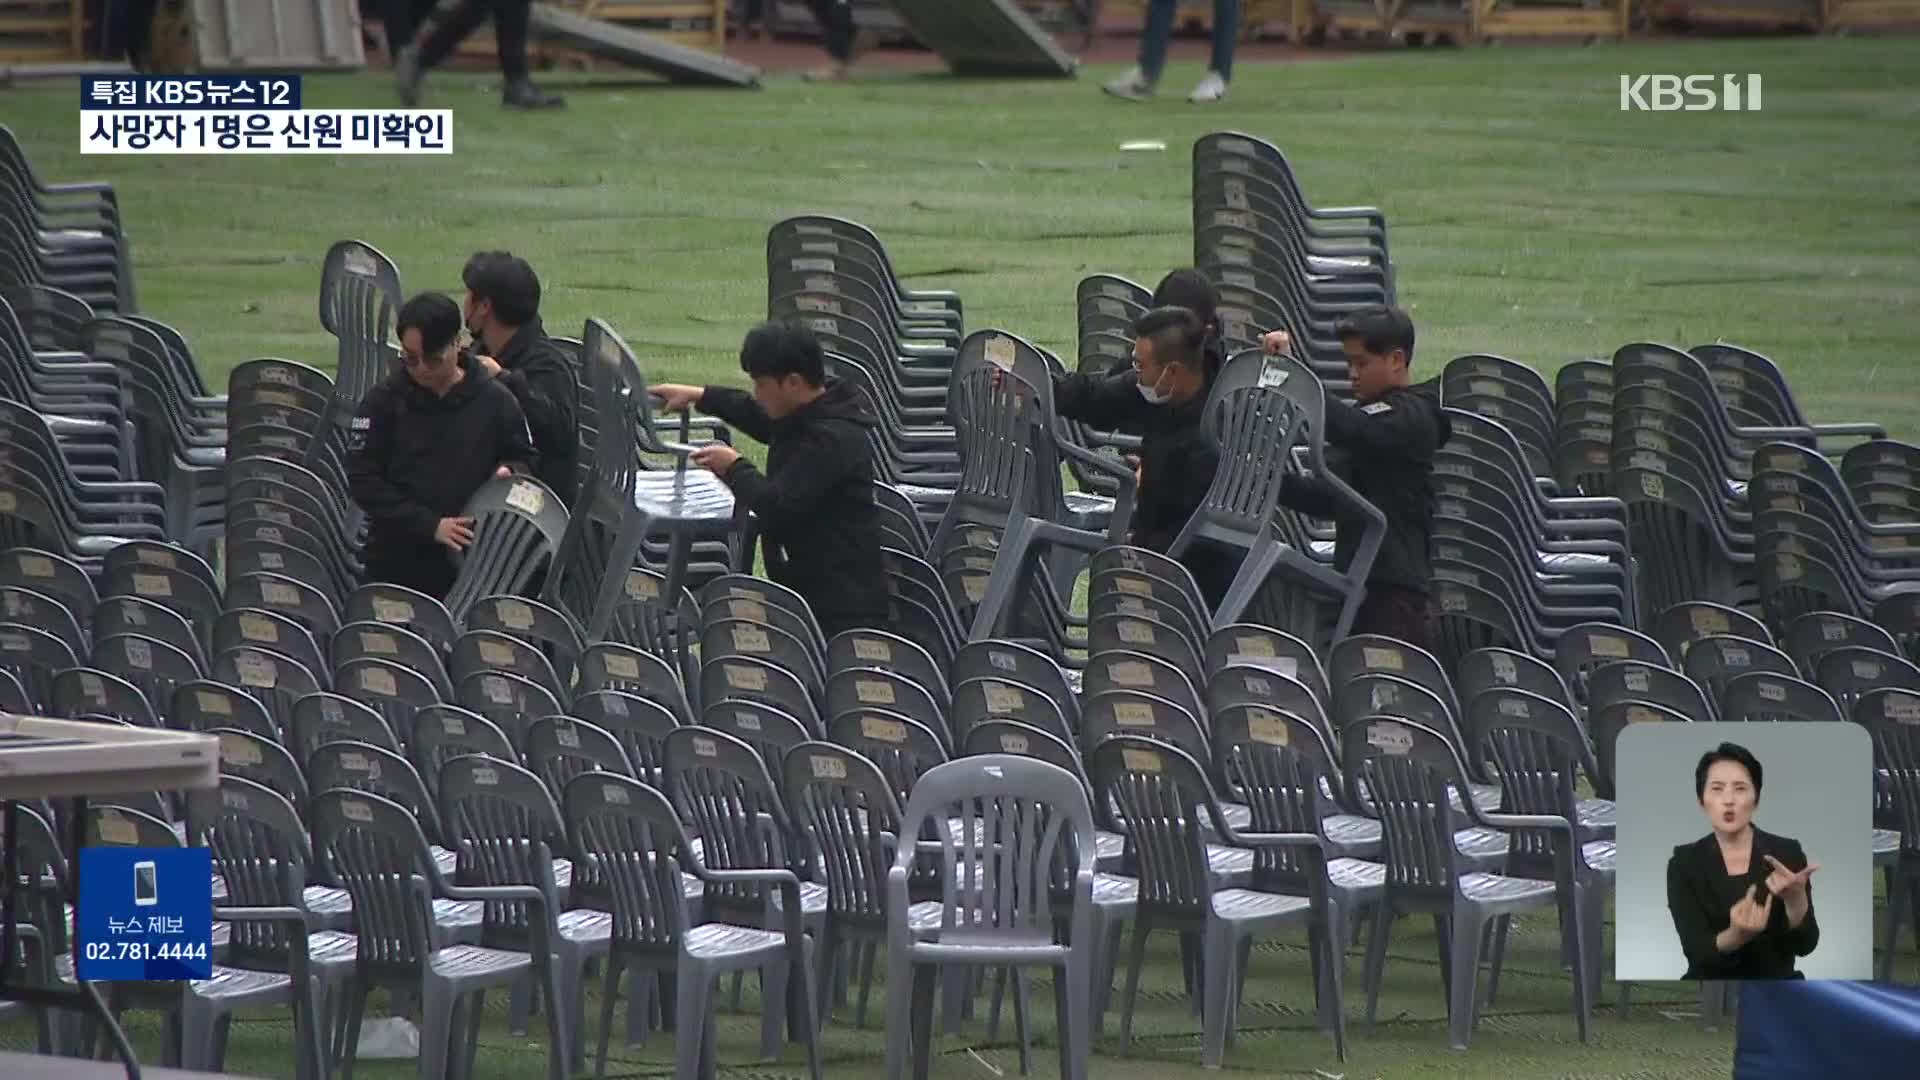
[508,281]
[1380,329]
[775,350]
[1177,334]
[435,315]
[1726,751]
[1191,289]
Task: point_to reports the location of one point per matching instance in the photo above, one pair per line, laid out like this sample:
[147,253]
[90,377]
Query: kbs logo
[1689,93]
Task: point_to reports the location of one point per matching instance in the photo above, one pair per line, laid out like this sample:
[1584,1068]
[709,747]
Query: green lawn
[1529,218]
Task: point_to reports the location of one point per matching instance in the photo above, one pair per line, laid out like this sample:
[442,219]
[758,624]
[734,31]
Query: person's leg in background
[510,31]
[836,23]
[1139,82]
[510,18]
[1226,35]
[403,23]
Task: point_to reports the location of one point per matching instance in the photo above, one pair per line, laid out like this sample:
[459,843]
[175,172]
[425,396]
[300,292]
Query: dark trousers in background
[1396,613]
[464,17]
[1159,28]
[835,18]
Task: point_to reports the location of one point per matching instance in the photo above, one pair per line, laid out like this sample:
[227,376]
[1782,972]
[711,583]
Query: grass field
[1529,217]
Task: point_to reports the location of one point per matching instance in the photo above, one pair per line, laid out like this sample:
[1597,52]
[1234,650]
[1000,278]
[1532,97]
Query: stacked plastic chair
[1813,547]
[855,250]
[1583,428]
[1105,309]
[66,235]
[83,401]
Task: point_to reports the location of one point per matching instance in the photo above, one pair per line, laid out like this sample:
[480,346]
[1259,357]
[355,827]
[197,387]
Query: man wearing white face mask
[1161,397]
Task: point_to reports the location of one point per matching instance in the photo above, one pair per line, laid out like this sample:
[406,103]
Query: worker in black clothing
[1383,445]
[819,525]
[422,443]
[1162,397]
[412,61]
[836,25]
[502,312]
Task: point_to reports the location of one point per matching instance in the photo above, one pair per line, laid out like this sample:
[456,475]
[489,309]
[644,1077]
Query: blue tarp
[1803,1030]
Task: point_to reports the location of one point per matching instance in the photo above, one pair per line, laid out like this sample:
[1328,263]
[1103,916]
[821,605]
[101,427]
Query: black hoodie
[541,379]
[819,526]
[414,457]
[1384,449]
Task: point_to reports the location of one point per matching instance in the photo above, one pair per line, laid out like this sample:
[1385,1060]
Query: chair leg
[1022,1018]
[899,1012]
[1585,962]
[693,994]
[1135,959]
[830,986]
[773,1007]
[1377,958]
[520,1007]
[868,955]
[1336,976]
[1217,976]
[1463,976]
[198,1017]
[924,979]
[476,1011]
[610,994]
[350,1017]
[1072,1000]
[1497,956]
[436,1031]
[808,1017]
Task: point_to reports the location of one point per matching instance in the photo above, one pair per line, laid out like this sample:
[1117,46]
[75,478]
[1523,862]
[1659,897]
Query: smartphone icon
[146,884]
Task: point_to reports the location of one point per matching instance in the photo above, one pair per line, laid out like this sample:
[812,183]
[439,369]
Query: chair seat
[467,961]
[1321,549]
[813,898]
[444,859]
[925,916]
[239,983]
[710,940]
[222,935]
[1597,815]
[692,887]
[1108,845]
[1569,562]
[1246,905]
[98,546]
[1238,815]
[918,494]
[1501,889]
[326,900]
[1084,504]
[1352,830]
[586,925]
[1886,845]
[331,952]
[961,939]
[1229,862]
[1601,855]
[1481,843]
[1114,890]
[456,914]
[690,495]
[1356,874]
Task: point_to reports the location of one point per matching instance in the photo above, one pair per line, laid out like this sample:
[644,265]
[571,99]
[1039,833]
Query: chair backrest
[154,666]
[1255,420]
[508,700]
[28,607]
[1714,660]
[1390,695]
[1586,646]
[480,651]
[1537,748]
[853,689]
[745,678]
[202,705]
[1131,712]
[978,701]
[400,606]
[1606,722]
[517,526]
[850,815]
[33,656]
[1246,644]
[1485,669]
[308,605]
[640,725]
[629,833]
[723,638]
[262,629]
[504,824]
[359,300]
[375,849]
[393,644]
[1374,654]
[321,718]
[742,596]
[608,665]
[1766,695]
[1024,824]
[1019,663]
[444,732]
[1681,625]
[1284,770]
[274,679]
[1892,716]
[152,554]
[1405,770]
[1138,633]
[135,615]
[260,851]
[1139,672]
[182,590]
[88,692]
[880,649]
[722,787]
[768,729]
[1852,671]
[1633,680]
[393,690]
[1159,797]
[365,767]
[1238,685]
[1813,634]
[902,747]
[996,416]
[54,575]
[534,623]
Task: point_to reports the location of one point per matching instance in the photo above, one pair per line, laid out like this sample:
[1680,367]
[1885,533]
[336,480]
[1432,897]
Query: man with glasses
[423,442]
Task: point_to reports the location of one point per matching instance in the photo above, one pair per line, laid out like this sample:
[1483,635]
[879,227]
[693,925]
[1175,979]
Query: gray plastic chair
[22,606]
[1632,680]
[1853,670]
[1678,627]
[118,615]
[309,605]
[560,748]
[757,600]
[394,644]
[1765,696]
[631,832]
[203,706]
[517,526]
[391,689]
[537,625]
[1588,645]
[1811,635]
[745,678]
[902,747]
[640,725]
[90,692]
[321,718]
[1486,669]
[489,650]
[1023,664]
[725,637]
[33,656]
[156,668]
[1025,843]
[977,701]
[508,700]
[1160,797]
[1714,661]
[255,628]
[610,665]
[891,652]
[385,603]
[1374,654]
[1412,775]
[444,732]
[374,846]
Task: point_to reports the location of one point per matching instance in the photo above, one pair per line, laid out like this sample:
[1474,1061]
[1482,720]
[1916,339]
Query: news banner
[243,114]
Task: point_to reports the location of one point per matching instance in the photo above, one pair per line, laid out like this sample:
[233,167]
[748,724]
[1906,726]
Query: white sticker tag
[1004,700]
[883,730]
[566,736]
[527,498]
[1867,669]
[1273,375]
[615,705]
[1772,691]
[1391,738]
[515,615]
[1707,621]
[1515,707]
[1279,665]
[827,768]
[1003,661]
[1134,632]
[751,639]
[214,703]
[746,678]
[872,649]
[278,595]
[1736,656]
[1249,647]
[1000,352]
[1377,659]
[1013,744]
[496,653]
[642,587]
[1637,680]
[706,748]
[239,751]
[1610,646]
[1130,673]
[93,688]
[453,725]
[379,644]
[1141,760]
[498,690]
[749,610]
[255,628]
[1505,671]
[354,810]
[1133,714]
[256,670]
[614,794]
[379,681]
[117,829]
[746,721]
[140,655]
[1639,714]
[1377,408]
[873,691]
[620,666]
[152,585]
[1265,727]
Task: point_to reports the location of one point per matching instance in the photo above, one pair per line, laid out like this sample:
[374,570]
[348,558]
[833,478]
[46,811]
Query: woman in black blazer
[1739,896]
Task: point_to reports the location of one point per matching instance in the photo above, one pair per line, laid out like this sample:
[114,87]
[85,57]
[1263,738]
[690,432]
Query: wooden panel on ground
[986,37]
[1870,14]
[277,35]
[1478,21]
[42,30]
[678,63]
[1746,14]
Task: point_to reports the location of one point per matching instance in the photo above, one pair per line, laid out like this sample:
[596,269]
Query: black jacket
[1384,450]
[541,378]
[819,526]
[1701,895]
[1177,462]
[414,458]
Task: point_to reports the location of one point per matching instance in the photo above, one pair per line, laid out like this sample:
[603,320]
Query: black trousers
[509,29]
[427,570]
[836,22]
[1395,612]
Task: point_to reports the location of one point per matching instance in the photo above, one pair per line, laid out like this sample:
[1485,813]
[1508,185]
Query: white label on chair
[355,810]
[1833,630]
[238,751]
[1274,374]
[821,284]
[486,777]
[824,326]
[9,503]
[1265,727]
[156,557]
[872,649]
[116,829]
[1515,707]
[496,653]
[975,587]
[1013,744]
[140,655]
[379,644]
[256,670]
[615,705]
[1788,568]
[1489,387]
[1733,380]
[358,263]
[1133,586]
[883,730]
[706,748]
[1901,708]
[1611,646]
[1000,352]
[255,628]
[498,690]
[976,562]
[1891,476]
[527,498]
[614,794]
[1133,606]
[827,768]
[750,610]
[1233,219]
[1649,440]
[331,712]
[1736,656]
[1141,760]
[816,303]
[1257,686]
[1653,486]
[746,721]
[1004,700]
[515,615]
[566,736]
[1384,696]
[1248,648]
[1637,680]
[91,686]
[1235,193]
[278,595]
[1772,691]
[355,762]
[1708,621]
[378,681]
[1391,738]
[1133,714]
[392,611]
[758,596]
[1650,462]
[745,678]
[1378,659]
[1452,600]
[1868,669]
[152,585]
[1233,165]
[642,587]
[620,666]
[453,725]
[212,702]
[1505,671]
[1003,661]
[1130,673]
[1133,632]
[985,538]
[272,560]
[873,691]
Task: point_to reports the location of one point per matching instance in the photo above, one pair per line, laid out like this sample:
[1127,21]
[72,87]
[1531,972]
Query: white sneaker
[1211,88]
[392,1038]
[1134,86]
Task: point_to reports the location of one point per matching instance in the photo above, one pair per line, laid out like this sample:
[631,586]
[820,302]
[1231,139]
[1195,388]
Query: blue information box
[145,914]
